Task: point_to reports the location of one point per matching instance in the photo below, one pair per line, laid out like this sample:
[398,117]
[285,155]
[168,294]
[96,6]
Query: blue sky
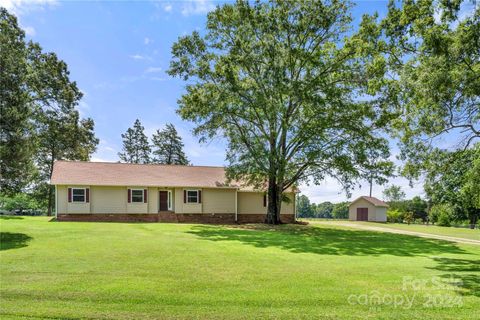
[118,51]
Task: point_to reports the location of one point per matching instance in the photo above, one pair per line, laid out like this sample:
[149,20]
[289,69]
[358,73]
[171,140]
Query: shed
[367,209]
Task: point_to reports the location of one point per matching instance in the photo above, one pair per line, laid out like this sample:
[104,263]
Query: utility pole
[371,183]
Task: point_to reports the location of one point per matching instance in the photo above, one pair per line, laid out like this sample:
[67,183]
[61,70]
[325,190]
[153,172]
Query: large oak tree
[432,75]
[291,89]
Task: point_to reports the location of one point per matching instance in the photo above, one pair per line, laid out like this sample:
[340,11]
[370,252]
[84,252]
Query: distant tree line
[448,200]
[328,210]
[166,148]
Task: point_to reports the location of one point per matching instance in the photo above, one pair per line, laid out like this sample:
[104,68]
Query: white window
[137,195]
[169,200]
[78,194]
[192,196]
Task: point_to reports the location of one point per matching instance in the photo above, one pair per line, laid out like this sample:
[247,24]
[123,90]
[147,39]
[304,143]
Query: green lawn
[442,231]
[429,229]
[154,271]
[464,233]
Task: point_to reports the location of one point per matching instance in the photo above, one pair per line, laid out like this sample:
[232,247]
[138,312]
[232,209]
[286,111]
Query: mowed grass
[465,233]
[473,234]
[68,270]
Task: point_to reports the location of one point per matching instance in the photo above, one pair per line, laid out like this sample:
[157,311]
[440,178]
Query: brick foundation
[217,218]
[260,218]
[114,217]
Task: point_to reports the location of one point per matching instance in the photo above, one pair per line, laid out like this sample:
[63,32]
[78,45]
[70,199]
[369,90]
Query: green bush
[408,217]
[20,203]
[441,214]
[394,215]
[444,220]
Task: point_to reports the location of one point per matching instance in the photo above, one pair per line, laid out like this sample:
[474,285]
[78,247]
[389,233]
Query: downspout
[56,203]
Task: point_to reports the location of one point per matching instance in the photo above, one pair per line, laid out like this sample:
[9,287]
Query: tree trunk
[473,220]
[49,211]
[274,202]
[50,190]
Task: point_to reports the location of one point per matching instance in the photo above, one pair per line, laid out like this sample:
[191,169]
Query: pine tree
[168,147]
[135,145]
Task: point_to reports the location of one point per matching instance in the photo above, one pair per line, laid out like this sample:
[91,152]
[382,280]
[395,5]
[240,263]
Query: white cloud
[157,78]
[29,31]
[138,57]
[19,7]
[153,70]
[167,7]
[147,41]
[194,7]
[106,152]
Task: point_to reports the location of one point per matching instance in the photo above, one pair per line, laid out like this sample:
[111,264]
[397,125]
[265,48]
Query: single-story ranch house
[367,209]
[102,191]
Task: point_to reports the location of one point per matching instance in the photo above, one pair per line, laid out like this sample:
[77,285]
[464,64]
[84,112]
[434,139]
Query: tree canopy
[168,147]
[280,83]
[39,122]
[431,75]
[136,148]
[393,193]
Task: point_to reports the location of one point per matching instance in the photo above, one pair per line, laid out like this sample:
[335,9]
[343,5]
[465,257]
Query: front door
[362,214]
[163,195]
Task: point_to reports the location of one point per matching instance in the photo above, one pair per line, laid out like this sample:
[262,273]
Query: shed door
[362,214]
[163,195]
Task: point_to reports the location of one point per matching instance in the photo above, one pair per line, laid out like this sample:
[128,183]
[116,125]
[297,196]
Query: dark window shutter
[69,194]
[264,200]
[144,195]
[87,195]
[129,195]
[184,196]
[199,196]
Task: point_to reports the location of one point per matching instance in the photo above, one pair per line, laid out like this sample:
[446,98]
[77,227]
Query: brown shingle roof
[375,201]
[127,174]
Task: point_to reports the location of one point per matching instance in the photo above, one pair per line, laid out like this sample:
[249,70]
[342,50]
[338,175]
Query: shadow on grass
[467,272]
[10,218]
[9,240]
[330,241]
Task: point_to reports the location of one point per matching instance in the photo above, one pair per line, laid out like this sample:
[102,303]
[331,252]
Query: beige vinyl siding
[178,203]
[62,199]
[108,199]
[252,203]
[153,205]
[374,213]
[218,200]
[136,207]
[112,200]
[181,207]
[71,207]
[381,214]
[288,208]
[361,203]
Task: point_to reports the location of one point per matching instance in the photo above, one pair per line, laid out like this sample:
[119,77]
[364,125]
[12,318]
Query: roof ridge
[142,164]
